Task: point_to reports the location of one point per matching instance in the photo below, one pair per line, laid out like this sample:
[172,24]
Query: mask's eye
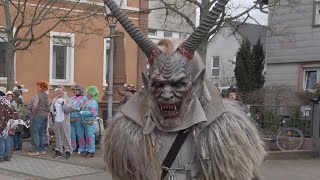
[157,84]
[179,84]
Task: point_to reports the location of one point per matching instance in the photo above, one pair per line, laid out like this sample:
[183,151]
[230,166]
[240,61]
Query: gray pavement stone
[95,162]
[7,175]
[45,169]
[291,169]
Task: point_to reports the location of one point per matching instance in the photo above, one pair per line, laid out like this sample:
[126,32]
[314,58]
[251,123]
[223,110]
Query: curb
[290,155]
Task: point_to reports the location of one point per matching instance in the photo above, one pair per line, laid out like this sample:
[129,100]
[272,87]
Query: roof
[252,32]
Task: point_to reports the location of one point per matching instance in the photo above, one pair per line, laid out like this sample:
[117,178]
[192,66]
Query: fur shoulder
[231,146]
[127,151]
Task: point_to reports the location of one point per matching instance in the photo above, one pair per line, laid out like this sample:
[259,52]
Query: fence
[269,116]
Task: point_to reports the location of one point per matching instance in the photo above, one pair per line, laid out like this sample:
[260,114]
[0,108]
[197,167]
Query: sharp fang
[175,108]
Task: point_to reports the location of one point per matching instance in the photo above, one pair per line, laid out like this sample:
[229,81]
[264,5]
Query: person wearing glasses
[76,119]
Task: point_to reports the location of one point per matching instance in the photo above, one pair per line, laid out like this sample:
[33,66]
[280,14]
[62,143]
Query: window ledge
[62,84]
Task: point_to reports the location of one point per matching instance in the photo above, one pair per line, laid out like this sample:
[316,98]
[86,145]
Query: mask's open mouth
[170,110]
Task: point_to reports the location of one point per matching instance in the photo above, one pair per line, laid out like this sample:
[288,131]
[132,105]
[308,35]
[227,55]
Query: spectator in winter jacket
[40,108]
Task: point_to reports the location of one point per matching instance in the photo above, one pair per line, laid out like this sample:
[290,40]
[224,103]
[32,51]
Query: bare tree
[24,21]
[182,10]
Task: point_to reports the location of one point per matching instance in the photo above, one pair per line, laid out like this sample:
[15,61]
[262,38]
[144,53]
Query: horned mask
[174,78]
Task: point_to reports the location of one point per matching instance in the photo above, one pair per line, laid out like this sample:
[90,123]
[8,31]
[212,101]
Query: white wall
[225,45]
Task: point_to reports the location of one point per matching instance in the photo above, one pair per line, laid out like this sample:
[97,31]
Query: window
[106,55]
[152,32]
[317,12]
[183,35]
[167,34]
[125,2]
[61,58]
[215,66]
[3,62]
[311,78]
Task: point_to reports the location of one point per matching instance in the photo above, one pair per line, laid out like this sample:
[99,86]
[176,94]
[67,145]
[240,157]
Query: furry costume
[223,143]
[60,109]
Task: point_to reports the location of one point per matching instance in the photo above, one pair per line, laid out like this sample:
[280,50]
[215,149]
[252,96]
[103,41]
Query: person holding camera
[60,110]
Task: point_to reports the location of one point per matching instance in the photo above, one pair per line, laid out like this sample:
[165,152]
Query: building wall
[33,65]
[279,74]
[173,22]
[293,38]
[293,44]
[224,44]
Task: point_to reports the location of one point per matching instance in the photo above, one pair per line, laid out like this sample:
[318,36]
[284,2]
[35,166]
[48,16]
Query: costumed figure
[129,90]
[77,125]
[61,107]
[177,126]
[90,113]
[9,119]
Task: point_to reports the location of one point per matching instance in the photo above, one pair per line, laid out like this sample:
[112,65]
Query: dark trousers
[17,140]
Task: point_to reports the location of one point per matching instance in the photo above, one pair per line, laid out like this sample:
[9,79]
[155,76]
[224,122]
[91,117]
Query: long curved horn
[150,49]
[194,40]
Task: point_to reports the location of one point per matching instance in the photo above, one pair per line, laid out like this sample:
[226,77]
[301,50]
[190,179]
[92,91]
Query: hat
[21,88]
[17,92]
[9,93]
[42,85]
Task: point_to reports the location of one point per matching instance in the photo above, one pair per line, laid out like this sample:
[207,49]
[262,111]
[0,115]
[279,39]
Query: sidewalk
[23,167]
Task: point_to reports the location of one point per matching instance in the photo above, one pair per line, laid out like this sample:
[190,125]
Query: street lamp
[111,21]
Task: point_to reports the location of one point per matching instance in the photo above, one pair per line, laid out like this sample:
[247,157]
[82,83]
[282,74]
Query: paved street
[291,169]
[22,167]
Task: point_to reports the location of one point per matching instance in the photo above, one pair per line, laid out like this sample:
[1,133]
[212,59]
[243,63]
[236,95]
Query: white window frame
[310,68]
[153,31]
[106,45]
[4,79]
[164,34]
[70,60]
[124,2]
[212,68]
[316,13]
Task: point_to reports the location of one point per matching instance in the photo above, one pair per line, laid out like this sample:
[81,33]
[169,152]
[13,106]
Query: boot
[57,155]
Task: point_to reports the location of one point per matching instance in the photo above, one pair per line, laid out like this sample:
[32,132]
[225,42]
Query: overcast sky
[239,6]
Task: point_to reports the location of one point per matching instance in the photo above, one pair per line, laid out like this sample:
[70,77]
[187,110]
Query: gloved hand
[60,101]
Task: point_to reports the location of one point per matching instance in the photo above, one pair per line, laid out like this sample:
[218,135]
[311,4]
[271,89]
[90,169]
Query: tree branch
[60,17]
[175,10]
[241,14]
[195,2]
